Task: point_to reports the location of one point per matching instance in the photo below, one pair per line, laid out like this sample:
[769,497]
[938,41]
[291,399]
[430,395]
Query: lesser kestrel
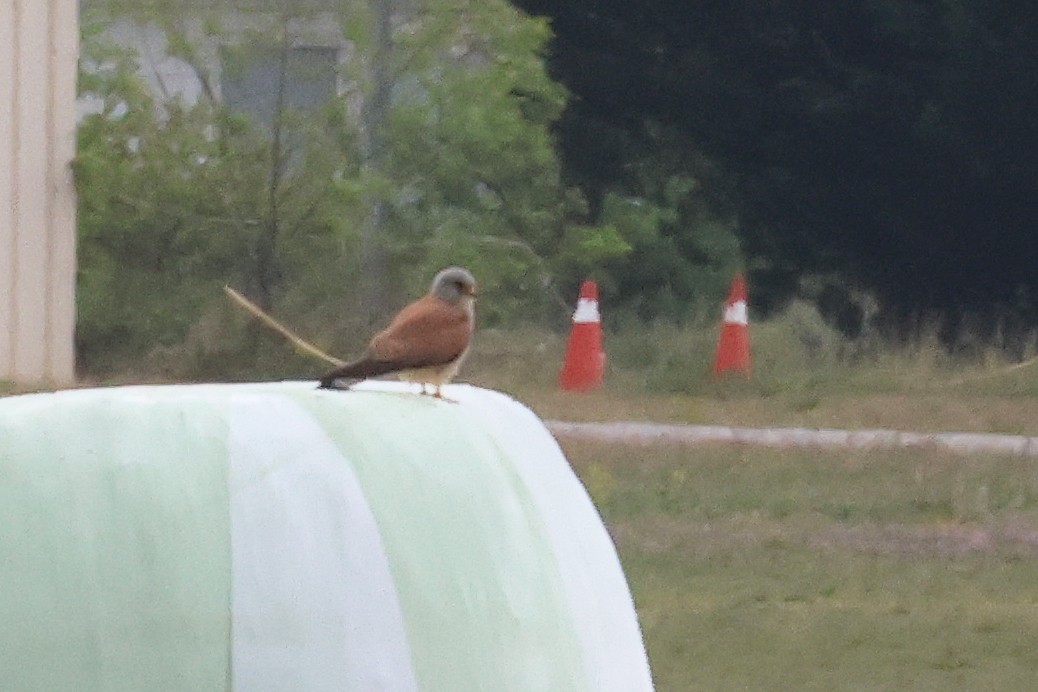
[427,340]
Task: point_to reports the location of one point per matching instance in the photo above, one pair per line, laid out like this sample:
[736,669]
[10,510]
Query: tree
[883,146]
[459,164]
[170,211]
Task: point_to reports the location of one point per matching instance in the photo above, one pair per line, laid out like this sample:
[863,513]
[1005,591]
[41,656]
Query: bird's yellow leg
[439,395]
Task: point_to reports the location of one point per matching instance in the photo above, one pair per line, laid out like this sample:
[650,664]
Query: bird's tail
[358,370]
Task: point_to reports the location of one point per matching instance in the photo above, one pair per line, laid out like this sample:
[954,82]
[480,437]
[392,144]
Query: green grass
[778,570]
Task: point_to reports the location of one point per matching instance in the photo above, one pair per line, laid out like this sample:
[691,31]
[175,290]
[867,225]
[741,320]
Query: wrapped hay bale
[276,537]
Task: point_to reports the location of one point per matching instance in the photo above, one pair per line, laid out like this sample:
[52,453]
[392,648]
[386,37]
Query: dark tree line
[884,147]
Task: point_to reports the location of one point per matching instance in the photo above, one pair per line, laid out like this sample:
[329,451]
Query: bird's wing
[429,331]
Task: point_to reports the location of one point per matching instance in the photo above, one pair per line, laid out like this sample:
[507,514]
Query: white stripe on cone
[587,312]
[736,313]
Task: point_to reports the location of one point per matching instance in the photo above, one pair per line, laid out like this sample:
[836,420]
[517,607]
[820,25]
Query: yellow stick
[985,375]
[281,329]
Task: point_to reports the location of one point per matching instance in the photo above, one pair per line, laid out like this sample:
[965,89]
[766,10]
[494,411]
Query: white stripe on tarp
[599,599]
[313,603]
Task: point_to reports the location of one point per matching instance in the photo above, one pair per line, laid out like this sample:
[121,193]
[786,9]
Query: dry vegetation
[804,376]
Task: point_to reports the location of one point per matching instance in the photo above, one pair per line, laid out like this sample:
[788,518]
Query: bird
[425,342]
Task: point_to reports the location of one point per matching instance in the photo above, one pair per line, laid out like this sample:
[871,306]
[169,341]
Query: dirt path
[1017,537]
[648,433]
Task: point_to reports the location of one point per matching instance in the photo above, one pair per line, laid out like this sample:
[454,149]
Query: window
[251,80]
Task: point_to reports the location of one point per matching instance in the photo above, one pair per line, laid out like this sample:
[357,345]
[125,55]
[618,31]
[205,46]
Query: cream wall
[39,46]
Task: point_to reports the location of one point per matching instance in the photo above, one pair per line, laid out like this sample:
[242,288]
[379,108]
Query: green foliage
[886,145]
[684,247]
[476,173]
[132,177]
[178,199]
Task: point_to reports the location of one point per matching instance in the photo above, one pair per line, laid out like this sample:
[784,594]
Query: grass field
[788,570]
[764,569]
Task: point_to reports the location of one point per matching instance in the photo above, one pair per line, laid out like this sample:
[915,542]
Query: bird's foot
[438,394]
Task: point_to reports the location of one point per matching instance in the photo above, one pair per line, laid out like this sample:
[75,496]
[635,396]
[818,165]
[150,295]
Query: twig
[985,375]
[281,329]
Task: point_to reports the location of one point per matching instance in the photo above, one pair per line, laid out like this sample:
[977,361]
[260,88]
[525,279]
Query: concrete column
[39,49]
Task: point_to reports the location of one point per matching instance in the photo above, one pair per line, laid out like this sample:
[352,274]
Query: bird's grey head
[454,283]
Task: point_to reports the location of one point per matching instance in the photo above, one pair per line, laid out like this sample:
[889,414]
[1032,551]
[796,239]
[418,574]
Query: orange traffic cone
[584,365]
[733,348]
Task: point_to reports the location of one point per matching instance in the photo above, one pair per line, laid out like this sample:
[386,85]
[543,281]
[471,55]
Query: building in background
[237,59]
